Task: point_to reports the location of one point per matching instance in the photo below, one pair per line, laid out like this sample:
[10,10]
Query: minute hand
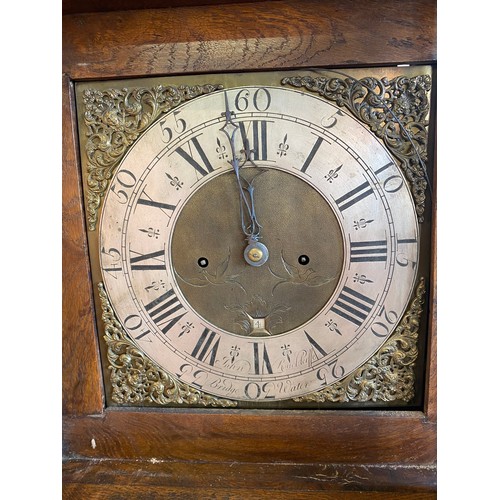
[255,253]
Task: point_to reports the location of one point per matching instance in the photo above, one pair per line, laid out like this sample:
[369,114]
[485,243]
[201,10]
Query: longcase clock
[258,258]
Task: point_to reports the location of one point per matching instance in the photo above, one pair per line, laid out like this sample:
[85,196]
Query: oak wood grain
[252,36]
[233,480]
[111,453]
[254,436]
[432,364]
[81,381]
[85,6]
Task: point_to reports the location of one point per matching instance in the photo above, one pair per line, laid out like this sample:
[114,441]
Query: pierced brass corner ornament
[176,212]
[387,376]
[114,119]
[396,111]
[136,379]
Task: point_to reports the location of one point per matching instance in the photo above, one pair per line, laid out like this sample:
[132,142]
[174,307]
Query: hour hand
[255,253]
[229,130]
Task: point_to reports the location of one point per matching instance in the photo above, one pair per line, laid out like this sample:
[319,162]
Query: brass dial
[286,291]
[321,195]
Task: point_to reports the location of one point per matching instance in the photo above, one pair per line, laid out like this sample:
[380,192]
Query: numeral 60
[261,99]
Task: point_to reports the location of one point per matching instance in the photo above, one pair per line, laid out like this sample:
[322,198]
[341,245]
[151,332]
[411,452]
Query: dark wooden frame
[228,453]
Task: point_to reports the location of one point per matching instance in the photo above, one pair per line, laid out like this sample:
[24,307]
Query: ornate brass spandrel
[135,379]
[395,110]
[387,376]
[114,119]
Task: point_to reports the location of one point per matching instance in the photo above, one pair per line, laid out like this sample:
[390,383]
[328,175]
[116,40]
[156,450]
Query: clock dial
[208,244]
[321,203]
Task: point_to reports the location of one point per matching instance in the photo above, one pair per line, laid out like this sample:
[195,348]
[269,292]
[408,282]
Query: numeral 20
[380,329]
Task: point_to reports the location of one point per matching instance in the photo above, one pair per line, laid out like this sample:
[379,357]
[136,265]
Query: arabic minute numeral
[134,324]
[401,257]
[168,133]
[261,99]
[331,372]
[331,121]
[113,267]
[393,183]
[380,328]
[124,181]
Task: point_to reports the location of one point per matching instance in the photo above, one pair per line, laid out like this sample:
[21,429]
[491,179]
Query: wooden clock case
[174,453]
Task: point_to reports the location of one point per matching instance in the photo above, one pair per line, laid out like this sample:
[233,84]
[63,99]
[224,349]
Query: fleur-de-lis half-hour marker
[174,181]
[221,150]
[333,327]
[155,285]
[361,279]
[361,223]
[332,174]
[283,147]
[186,328]
[286,351]
[151,232]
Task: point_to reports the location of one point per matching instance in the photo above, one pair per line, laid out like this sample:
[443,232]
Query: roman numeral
[261,359]
[312,153]
[386,166]
[189,157]
[133,323]
[207,347]
[258,142]
[149,202]
[154,261]
[353,306]
[315,346]
[353,196]
[369,251]
[162,310]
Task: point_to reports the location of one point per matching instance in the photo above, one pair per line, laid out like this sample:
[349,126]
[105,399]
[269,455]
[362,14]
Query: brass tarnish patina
[396,111]
[281,282]
[389,375]
[114,119]
[136,379]
[194,312]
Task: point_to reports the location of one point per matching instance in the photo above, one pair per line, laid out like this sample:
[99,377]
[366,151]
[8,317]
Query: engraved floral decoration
[136,379]
[219,277]
[295,276]
[389,374]
[114,119]
[396,111]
